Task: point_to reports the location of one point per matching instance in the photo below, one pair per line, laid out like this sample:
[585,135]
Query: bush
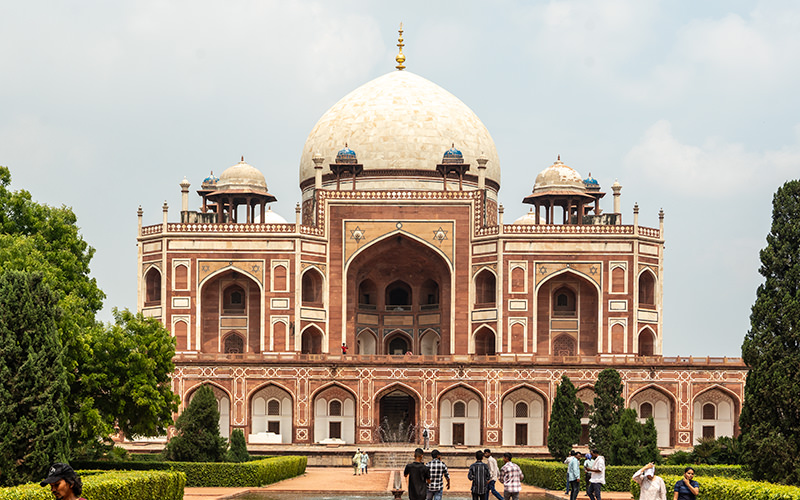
[680,458]
[725,488]
[216,474]
[553,475]
[238,450]
[117,485]
[197,438]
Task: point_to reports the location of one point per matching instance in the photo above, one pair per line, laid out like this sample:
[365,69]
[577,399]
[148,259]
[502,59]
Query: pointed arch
[646,285]
[152,286]
[397,407]
[483,341]
[312,338]
[646,341]
[398,342]
[457,428]
[405,234]
[312,290]
[526,429]
[484,284]
[429,341]
[271,411]
[367,342]
[663,413]
[334,426]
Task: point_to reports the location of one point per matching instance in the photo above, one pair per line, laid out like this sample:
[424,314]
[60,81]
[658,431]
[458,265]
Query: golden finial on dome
[400,57]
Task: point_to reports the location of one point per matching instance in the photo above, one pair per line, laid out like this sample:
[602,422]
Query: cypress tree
[197,438]
[649,451]
[564,428]
[238,451]
[770,418]
[33,380]
[625,440]
[608,405]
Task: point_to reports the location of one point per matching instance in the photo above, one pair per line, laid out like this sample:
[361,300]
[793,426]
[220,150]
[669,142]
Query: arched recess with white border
[418,413]
[523,342]
[526,429]
[181,334]
[429,341]
[663,411]
[186,264]
[266,416]
[309,328]
[276,337]
[149,299]
[199,308]
[472,342]
[727,405]
[323,418]
[311,268]
[656,298]
[394,334]
[523,267]
[647,330]
[599,293]
[474,287]
[223,397]
[624,267]
[367,342]
[623,323]
[428,245]
[471,421]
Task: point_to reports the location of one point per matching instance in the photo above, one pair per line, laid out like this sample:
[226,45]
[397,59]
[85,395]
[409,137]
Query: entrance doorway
[521,435]
[458,434]
[397,418]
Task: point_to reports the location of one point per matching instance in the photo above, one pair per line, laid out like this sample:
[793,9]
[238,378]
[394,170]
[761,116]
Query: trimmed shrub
[238,449]
[117,485]
[724,488]
[220,474]
[553,475]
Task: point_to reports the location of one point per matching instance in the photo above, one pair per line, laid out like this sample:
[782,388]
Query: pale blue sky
[693,106]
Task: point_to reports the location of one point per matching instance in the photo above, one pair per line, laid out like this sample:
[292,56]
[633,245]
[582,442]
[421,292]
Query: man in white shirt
[598,470]
[494,473]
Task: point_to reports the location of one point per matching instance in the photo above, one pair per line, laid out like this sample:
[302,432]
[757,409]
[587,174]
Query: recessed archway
[397,415]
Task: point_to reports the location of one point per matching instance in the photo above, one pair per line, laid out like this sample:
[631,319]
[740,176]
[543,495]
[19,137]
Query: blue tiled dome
[346,155]
[453,155]
[211,180]
[591,181]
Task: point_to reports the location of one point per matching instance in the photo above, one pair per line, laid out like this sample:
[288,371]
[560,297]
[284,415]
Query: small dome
[211,181]
[346,155]
[453,155]
[242,177]
[561,178]
[591,181]
[271,217]
[529,218]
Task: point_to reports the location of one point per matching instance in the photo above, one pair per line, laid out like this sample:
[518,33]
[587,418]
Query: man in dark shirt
[418,476]
[479,475]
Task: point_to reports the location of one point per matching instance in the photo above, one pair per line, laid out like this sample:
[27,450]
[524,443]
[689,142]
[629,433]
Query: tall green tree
[238,451]
[770,418]
[564,428]
[128,376]
[608,405]
[33,388]
[625,439]
[649,451]
[197,438]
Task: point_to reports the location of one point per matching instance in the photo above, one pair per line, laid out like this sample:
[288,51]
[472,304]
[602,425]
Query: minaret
[400,57]
[482,160]
[616,187]
[317,159]
[185,195]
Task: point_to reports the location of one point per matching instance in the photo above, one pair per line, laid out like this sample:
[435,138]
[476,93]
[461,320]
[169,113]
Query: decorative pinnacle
[400,57]
[242,157]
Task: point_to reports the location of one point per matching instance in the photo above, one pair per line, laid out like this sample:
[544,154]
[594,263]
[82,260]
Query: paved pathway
[341,480]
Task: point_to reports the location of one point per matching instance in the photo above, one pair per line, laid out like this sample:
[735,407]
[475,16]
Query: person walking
[419,475]
[574,475]
[64,483]
[511,476]
[687,488]
[570,458]
[651,486]
[480,476]
[438,475]
[364,462]
[357,461]
[494,473]
[425,438]
[598,479]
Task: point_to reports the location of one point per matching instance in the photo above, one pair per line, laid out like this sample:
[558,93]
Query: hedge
[116,485]
[553,475]
[724,488]
[220,474]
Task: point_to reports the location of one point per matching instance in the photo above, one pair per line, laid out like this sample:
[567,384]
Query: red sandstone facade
[453,320]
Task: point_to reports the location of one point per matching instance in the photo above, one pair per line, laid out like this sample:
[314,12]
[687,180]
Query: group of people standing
[652,487]
[427,481]
[360,462]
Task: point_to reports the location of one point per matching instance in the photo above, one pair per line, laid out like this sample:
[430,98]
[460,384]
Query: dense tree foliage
[33,420]
[770,418]
[608,405]
[564,428]
[197,438]
[632,443]
[117,375]
[238,451]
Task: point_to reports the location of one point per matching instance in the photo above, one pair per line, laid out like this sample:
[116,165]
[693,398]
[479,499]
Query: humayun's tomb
[454,319]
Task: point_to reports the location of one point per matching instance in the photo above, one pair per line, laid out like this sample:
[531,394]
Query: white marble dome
[242,177]
[271,217]
[529,218]
[559,177]
[400,121]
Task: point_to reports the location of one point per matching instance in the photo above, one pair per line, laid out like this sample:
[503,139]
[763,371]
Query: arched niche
[651,402]
[334,416]
[270,416]
[429,343]
[230,297]
[460,417]
[152,291]
[718,404]
[523,418]
[367,342]
[223,406]
[485,342]
[485,289]
[311,340]
[646,342]
[647,290]
[312,288]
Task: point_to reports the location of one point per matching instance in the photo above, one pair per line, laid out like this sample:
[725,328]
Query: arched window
[234,344]
[398,296]
[273,407]
[646,342]
[233,300]
[367,295]
[484,342]
[312,288]
[429,295]
[564,302]
[459,409]
[518,280]
[398,346]
[311,341]
[709,411]
[335,408]
[152,295]
[564,345]
[181,277]
[618,280]
[645,410]
[647,290]
[279,279]
[485,289]
[521,410]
